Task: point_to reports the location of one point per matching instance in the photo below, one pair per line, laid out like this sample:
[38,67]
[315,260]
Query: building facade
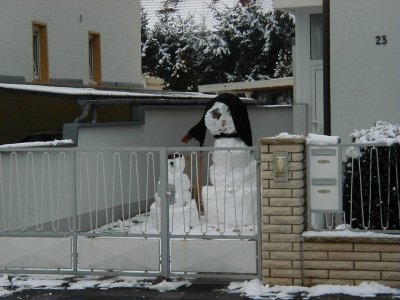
[346,62]
[90,41]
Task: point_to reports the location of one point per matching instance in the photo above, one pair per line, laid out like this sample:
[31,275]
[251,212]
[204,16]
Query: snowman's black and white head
[218,120]
[225,115]
[176,163]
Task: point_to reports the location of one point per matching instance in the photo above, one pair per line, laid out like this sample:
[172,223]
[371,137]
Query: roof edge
[293,4]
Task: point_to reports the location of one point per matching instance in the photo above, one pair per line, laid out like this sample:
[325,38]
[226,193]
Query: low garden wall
[293,256]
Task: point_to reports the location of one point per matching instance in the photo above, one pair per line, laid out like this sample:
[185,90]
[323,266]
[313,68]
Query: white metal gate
[123,211]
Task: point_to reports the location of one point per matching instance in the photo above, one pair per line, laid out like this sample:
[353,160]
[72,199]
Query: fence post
[165,257]
[74,212]
[283,209]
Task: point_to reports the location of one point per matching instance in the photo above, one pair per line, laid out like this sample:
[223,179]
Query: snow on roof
[38,144]
[112,96]
[200,9]
[77,91]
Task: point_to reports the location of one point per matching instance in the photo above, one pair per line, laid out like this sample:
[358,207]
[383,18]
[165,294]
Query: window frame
[94,57]
[40,61]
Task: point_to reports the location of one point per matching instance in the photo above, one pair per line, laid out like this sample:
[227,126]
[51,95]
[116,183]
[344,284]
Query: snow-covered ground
[253,289]
[256,290]
[10,284]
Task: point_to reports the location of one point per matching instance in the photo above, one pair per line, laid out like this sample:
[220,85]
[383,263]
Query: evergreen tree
[254,41]
[171,51]
[247,44]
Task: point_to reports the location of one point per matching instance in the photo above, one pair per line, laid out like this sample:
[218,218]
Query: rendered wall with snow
[68,26]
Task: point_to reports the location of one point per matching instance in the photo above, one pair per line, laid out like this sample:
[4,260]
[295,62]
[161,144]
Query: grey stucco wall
[165,126]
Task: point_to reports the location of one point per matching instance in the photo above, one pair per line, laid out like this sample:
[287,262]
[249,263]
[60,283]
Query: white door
[317,99]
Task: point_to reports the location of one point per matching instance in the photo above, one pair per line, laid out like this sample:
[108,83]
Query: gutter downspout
[326,66]
[85,108]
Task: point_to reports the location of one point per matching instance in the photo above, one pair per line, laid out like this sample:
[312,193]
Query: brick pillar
[283,212]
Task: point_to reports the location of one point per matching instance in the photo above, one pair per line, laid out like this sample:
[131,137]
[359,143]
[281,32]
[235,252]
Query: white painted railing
[211,191]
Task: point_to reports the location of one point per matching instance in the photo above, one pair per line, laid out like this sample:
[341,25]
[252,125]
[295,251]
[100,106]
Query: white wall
[165,126]
[364,76]
[118,23]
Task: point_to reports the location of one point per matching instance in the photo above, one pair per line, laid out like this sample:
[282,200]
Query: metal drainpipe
[326,64]
[85,108]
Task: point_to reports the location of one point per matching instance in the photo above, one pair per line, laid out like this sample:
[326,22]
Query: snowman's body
[183,212]
[230,200]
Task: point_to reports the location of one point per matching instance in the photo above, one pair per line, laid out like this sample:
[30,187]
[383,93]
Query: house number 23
[381,40]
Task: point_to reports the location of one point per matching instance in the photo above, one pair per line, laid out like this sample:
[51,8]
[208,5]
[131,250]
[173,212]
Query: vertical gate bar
[165,257]
[74,214]
[258,206]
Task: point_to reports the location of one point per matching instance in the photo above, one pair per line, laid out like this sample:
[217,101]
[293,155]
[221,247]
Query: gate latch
[171,193]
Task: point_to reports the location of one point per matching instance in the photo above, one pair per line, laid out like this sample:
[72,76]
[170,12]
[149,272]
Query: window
[94,58]
[316,36]
[40,67]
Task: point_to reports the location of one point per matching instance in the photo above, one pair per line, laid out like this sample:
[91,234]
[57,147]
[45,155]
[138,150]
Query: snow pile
[38,144]
[256,290]
[381,133]
[4,283]
[9,285]
[288,135]
[350,233]
[253,289]
[166,286]
[319,139]
[364,289]
[45,282]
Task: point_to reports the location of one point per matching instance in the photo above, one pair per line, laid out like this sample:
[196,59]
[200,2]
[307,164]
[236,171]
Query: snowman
[183,213]
[229,199]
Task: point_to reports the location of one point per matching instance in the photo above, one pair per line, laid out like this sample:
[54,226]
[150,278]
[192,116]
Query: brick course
[353,262]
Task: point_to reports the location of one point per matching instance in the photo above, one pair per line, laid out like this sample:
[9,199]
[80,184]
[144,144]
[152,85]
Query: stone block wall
[283,212]
[291,258]
[344,260]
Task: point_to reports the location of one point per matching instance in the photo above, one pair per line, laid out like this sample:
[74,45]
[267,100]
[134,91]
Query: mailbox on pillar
[325,186]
